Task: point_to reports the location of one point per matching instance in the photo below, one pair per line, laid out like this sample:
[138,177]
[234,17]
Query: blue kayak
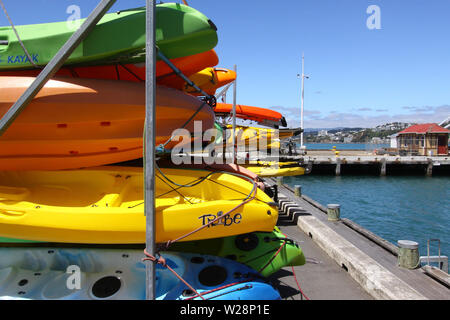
[34,273]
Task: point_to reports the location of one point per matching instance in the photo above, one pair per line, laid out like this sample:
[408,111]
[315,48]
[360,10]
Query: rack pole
[53,66]
[234,117]
[149,146]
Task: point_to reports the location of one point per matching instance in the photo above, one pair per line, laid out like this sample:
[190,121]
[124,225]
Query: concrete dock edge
[374,278]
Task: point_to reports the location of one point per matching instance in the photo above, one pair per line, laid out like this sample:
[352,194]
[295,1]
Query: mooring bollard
[280,181]
[334,212]
[298,190]
[408,254]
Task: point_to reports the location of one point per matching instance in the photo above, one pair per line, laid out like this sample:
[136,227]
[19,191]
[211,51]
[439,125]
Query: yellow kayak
[274,169]
[255,137]
[252,136]
[209,80]
[105,205]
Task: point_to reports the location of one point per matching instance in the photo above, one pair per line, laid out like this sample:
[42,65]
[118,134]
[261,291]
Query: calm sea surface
[394,207]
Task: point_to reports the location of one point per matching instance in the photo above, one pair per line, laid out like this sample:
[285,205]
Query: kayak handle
[11,213]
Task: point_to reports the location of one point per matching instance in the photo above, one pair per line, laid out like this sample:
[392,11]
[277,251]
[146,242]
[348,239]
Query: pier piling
[338,166]
[429,167]
[383,167]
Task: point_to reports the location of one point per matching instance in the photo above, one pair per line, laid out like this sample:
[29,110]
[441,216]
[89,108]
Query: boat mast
[302,100]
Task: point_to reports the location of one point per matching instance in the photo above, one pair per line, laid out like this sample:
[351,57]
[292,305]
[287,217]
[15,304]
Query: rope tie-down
[207,99]
[158,259]
[18,37]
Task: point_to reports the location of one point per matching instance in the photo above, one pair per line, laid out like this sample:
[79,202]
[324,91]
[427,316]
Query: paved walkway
[319,279]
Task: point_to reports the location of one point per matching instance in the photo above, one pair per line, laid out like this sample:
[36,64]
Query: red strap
[220,288]
[162,262]
[255,190]
[273,257]
[295,278]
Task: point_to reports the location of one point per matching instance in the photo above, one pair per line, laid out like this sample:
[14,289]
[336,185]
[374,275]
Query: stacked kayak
[261,115]
[275,168]
[210,79]
[105,205]
[255,137]
[215,167]
[132,71]
[265,252]
[118,38]
[113,274]
[74,123]
[64,187]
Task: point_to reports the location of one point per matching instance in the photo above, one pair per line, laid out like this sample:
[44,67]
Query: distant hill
[332,130]
[356,134]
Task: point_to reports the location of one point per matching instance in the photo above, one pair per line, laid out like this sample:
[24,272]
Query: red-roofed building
[423,139]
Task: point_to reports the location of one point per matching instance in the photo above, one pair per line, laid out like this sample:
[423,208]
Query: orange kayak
[74,123]
[260,115]
[131,72]
[209,80]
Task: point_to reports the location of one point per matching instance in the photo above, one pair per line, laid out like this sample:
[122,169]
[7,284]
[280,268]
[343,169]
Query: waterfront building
[393,141]
[425,139]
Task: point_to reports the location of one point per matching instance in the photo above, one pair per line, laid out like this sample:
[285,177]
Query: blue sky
[358,76]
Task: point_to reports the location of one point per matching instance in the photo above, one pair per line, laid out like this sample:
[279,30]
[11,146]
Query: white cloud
[332,119]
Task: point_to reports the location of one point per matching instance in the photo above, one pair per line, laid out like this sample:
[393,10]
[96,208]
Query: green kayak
[10,240]
[118,37]
[265,252]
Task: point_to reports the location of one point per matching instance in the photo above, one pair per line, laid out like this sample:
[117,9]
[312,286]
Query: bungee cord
[18,37]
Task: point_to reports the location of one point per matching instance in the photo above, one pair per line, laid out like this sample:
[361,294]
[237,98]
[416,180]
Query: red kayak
[132,72]
[74,123]
[260,115]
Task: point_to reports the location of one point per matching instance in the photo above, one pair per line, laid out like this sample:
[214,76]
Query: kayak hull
[261,115]
[118,37]
[114,274]
[75,123]
[275,168]
[105,205]
[130,72]
[265,252]
[209,80]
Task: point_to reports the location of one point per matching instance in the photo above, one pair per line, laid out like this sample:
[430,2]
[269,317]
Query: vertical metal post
[53,66]
[303,96]
[149,146]
[234,117]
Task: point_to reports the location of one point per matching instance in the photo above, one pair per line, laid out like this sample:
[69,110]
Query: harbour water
[394,207]
[344,146]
